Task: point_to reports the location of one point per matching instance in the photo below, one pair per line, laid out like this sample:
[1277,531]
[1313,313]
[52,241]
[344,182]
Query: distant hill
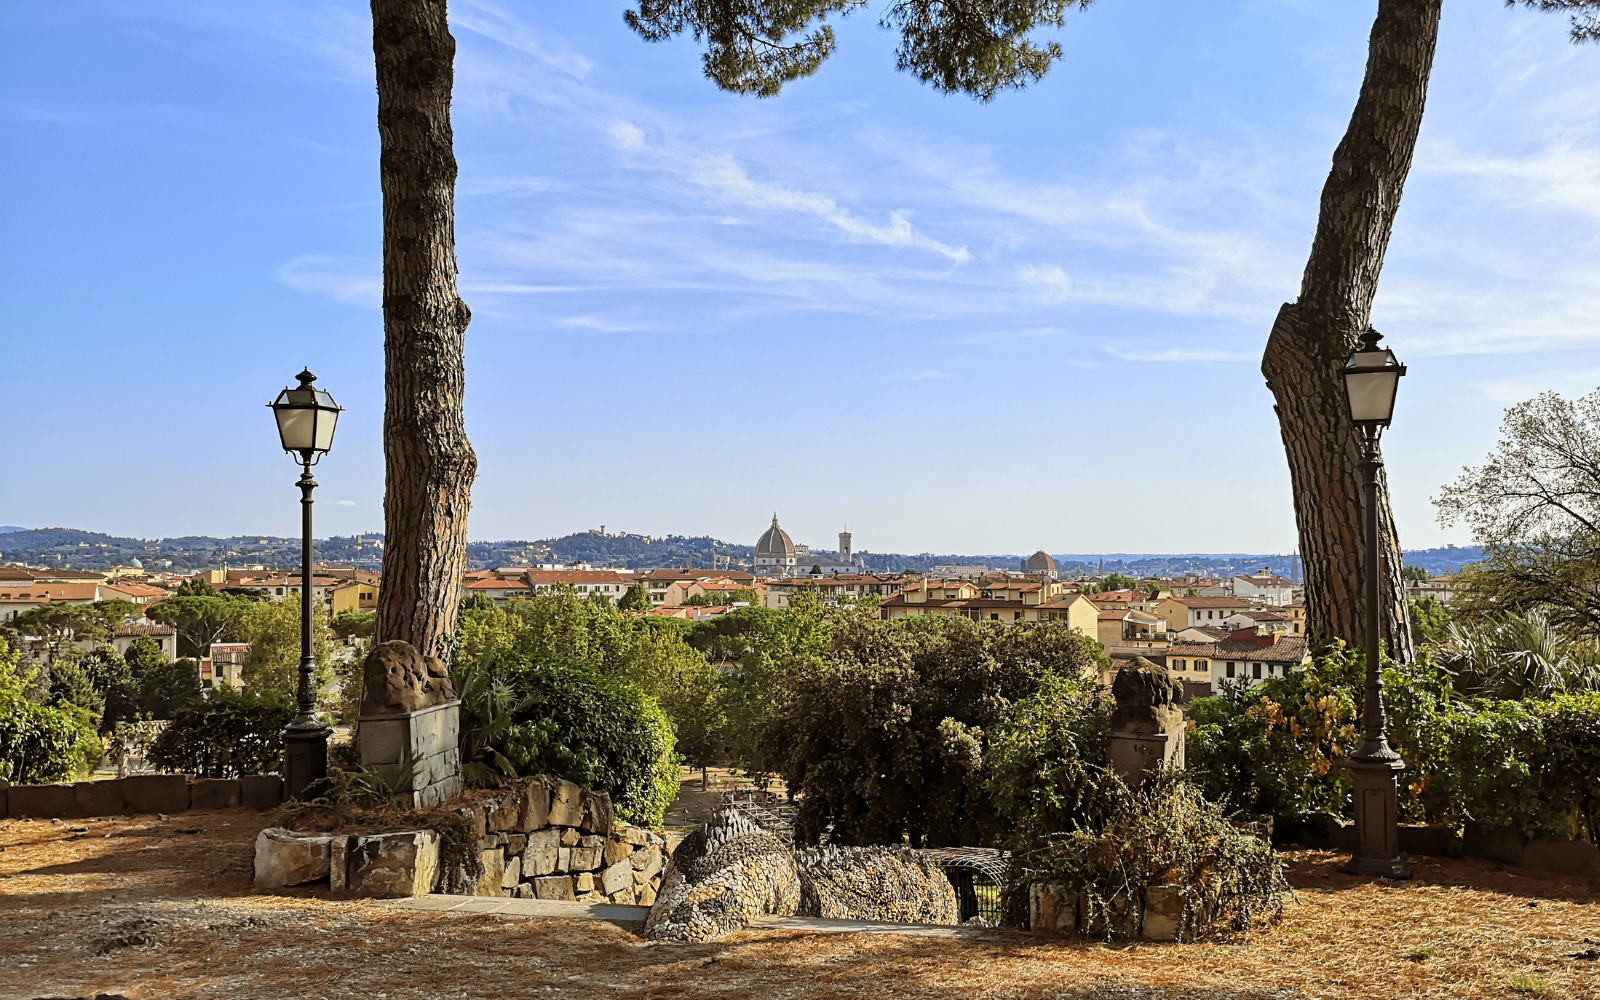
[70,548]
[6,529]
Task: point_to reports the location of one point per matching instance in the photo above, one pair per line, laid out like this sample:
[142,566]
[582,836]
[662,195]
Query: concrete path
[632,918]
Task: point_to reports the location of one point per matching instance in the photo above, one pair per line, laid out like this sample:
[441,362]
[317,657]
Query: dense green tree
[166,687]
[71,684]
[272,628]
[888,736]
[636,599]
[354,624]
[1118,581]
[143,654]
[40,743]
[199,620]
[196,586]
[1414,574]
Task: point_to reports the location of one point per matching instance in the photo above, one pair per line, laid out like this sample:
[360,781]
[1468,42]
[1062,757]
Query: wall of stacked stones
[534,841]
[561,842]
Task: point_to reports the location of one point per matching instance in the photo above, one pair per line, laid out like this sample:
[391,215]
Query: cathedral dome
[775,543]
[1040,562]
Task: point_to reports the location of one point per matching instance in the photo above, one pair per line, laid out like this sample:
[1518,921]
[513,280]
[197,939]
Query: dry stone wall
[556,841]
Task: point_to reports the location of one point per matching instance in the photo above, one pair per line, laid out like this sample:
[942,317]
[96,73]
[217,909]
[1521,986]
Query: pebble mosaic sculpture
[731,871]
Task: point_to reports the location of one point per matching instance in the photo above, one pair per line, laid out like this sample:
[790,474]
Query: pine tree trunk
[429,464]
[1313,335]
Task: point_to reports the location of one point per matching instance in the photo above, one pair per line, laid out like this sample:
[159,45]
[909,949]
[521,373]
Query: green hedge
[223,738]
[40,744]
[1276,748]
[598,730]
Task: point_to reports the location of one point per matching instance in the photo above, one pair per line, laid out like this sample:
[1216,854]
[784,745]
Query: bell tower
[844,546]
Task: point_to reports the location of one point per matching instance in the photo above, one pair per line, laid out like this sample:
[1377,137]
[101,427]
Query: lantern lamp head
[1371,376]
[306,418]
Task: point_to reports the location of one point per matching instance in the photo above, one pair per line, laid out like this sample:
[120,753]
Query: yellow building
[352,595]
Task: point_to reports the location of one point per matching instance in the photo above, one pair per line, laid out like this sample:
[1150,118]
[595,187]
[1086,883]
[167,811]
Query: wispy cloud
[723,175]
[343,279]
[347,503]
[1181,355]
[601,325]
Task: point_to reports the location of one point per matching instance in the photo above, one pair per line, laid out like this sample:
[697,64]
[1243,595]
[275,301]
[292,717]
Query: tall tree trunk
[429,464]
[1313,335]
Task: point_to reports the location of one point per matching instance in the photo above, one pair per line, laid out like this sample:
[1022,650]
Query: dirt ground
[153,908]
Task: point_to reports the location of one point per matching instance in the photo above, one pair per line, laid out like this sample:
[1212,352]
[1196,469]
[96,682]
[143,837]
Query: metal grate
[977,873]
[765,809]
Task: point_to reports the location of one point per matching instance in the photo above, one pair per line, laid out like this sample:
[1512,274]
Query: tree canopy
[975,47]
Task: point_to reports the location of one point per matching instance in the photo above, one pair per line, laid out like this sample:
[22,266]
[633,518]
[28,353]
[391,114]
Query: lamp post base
[1377,850]
[305,757]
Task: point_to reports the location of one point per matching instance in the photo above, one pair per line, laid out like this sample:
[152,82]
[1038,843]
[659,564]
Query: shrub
[1166,834]
[888,737]
[40,743]
[1275,747]
[598,730]
[1046,762]
[166,687]
[223,737]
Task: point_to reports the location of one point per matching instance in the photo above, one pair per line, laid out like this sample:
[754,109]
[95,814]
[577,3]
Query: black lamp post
[306,418]
[1371,376]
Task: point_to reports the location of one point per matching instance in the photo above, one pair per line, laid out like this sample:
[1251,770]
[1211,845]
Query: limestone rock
[625,896]
[585,859]
[494,870]
[394,864]
[617,878]
[584,882]
[1051,909]
[285,858]
[597,813]
[399,679]
[566,804]
[534,809]
[553,887]
[539,857]
[563,859]
[512,875]
[647,895]
[635,836]
[1163,910]
[617,850]
[570,837]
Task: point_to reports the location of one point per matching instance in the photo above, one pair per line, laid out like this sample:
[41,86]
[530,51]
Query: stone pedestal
[1133,754]
[429,737]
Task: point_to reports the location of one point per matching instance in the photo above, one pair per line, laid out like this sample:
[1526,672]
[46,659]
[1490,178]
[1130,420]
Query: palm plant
[489,706]
[1520,656]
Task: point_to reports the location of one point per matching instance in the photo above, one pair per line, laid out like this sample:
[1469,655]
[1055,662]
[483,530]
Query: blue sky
[957,327]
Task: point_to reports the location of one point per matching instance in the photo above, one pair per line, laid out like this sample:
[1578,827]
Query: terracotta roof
[548,576]
[144,629]
[1212,602]
[1262,615]
[497,585]
[1265,581]
[43,593]
[980,603]
[1202,649]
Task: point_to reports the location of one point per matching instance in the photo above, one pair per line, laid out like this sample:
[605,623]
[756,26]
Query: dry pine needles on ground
[145,907]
